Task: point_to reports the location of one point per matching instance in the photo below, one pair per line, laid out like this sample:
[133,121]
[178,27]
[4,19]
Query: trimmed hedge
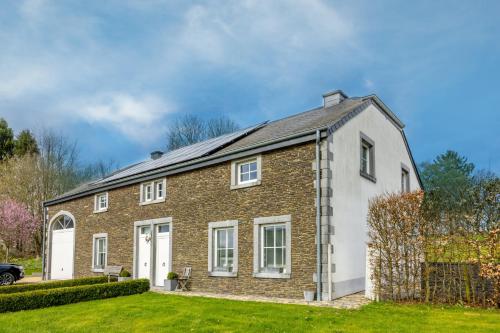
[44,298]
[18,288]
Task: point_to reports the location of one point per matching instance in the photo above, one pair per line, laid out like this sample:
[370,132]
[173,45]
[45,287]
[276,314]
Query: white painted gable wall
[351,192]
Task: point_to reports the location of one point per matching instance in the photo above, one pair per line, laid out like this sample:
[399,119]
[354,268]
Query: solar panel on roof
[181,155]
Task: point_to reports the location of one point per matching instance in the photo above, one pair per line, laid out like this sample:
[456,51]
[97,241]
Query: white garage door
[61,263]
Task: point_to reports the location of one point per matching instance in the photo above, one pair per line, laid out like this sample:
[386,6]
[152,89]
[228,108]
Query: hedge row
[44,298]
[17,288]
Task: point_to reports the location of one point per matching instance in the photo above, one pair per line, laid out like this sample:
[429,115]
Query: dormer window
[153,191]
[101,202]
[246,172]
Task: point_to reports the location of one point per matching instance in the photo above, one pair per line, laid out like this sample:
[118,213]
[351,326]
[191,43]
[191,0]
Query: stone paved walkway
[353,301]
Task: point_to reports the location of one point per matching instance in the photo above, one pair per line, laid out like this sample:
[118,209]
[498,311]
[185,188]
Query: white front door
[61,261]
[144,252]
[162,253]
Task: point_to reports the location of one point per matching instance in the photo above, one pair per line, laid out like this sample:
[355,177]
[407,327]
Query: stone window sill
[244,185]
[223,274]
[263,275]
[151,202]
[367,176]
[100,211]
[97,270]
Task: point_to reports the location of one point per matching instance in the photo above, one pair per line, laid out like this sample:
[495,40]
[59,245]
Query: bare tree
[185,131]
[220,126]
[190,129]
[58,163]
[97,170]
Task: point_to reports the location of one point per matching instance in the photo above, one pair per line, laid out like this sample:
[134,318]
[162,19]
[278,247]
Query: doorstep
[354,301]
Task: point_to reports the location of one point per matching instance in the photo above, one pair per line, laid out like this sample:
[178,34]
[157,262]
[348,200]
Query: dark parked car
[10,273]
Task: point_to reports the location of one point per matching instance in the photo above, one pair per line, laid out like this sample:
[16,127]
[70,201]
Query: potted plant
[309,295]
[171,281]
[124,275]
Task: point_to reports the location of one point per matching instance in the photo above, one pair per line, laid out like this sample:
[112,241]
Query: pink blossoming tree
[17,225]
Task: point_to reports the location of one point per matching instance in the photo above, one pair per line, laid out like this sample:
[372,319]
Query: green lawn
[155,312]
[31,265]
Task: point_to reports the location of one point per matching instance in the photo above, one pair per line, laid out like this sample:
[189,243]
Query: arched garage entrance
[62,245]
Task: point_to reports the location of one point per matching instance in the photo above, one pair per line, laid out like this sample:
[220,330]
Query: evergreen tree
[448,177]
[6,140]
[25,144]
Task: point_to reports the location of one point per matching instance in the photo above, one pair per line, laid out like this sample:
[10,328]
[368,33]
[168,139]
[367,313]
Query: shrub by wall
[52,285]
[50,297]
[422,251]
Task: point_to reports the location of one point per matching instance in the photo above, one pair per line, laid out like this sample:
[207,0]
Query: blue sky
[112,74]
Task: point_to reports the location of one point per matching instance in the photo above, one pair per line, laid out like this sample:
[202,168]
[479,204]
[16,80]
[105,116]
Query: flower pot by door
[124,278]
[170,285]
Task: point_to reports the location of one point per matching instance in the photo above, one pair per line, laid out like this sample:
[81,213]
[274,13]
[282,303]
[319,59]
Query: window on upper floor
[153,191]
[367,158]
[405,179]
[246,172]
[101,202]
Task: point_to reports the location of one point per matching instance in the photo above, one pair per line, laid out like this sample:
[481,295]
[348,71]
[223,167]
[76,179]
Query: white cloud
[140,118]
[277,40]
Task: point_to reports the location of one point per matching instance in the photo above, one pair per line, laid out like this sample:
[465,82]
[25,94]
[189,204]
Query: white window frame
[405,183]
[235,172]
[259,224]
[369,144]
[94,238]
[212,227]
[154,192]
[97,206]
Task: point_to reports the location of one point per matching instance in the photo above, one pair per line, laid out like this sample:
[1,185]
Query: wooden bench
[110,271]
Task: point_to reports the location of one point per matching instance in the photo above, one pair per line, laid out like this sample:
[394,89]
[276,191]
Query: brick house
[241,209]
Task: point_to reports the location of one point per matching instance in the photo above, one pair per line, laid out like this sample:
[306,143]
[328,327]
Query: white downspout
[318,216]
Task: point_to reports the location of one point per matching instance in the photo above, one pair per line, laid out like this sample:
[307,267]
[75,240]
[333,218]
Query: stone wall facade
[198,197]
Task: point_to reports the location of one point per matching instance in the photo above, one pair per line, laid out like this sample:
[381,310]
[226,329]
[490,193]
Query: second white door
[162,257]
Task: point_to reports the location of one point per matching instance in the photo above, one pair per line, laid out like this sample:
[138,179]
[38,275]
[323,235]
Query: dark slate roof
[317,118]
[258,135]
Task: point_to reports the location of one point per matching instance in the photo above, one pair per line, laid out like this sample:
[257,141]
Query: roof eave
[195,164]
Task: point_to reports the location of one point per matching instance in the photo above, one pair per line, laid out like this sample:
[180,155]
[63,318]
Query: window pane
[280,235]
[268,236]
[279,257]
[245,168]
[145,230]
[230,257]
[163,228]
[230,235]
[221,256]
[253,166]
[244,177]
[253,175]
[221,239]
[102,258]
[159,190]
[269,257]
